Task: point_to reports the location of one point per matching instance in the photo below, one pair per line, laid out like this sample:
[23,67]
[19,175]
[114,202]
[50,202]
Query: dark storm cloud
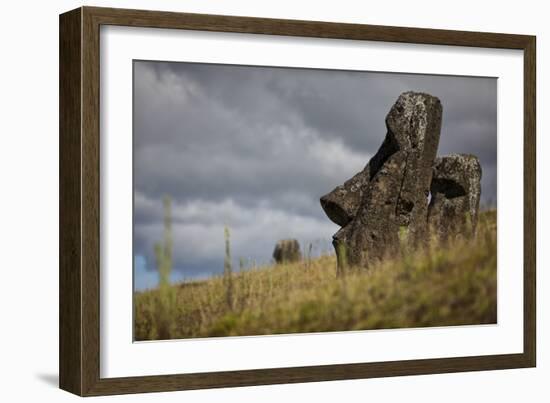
[255,148]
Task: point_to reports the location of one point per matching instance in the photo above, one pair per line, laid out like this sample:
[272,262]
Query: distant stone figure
[455,190]
[287,251]
[392,190]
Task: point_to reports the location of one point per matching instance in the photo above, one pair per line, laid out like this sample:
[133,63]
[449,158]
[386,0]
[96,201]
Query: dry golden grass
[443,285]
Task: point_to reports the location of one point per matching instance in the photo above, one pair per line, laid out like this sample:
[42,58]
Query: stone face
[415,122]
[342,203]
[455,190]
[392,190]
[287,250]
[374,232]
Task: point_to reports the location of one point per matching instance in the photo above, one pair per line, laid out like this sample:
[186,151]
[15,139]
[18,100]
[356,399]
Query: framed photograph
[248,201]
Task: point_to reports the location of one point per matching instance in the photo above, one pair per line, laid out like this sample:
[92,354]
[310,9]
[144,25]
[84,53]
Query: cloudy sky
[254,148]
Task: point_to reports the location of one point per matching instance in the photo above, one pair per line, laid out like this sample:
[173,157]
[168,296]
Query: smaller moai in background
[287,251]
[455,193]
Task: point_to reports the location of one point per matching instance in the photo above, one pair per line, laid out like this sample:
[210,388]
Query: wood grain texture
[530,202]
[317,29]
[80,201]
[70,274]
[90,201]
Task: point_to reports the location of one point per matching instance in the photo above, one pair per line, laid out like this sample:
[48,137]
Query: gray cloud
[256,147]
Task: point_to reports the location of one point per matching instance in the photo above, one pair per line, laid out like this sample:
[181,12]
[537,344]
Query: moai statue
[455,191]
[392,190]
[286,251]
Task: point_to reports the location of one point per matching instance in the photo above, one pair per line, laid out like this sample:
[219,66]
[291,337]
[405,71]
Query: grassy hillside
[442,286]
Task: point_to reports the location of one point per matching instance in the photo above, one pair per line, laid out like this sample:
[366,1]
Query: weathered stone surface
[455,190]
[287,250]
[342,203]
[415,122]
[374,232]
[392,190]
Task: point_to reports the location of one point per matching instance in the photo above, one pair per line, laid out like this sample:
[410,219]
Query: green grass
[443,285]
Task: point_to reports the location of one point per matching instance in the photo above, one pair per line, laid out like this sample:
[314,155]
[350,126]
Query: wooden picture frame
[79,317]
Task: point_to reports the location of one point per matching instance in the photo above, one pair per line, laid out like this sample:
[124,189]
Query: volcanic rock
[392,190]
[455,194]
[286,251]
